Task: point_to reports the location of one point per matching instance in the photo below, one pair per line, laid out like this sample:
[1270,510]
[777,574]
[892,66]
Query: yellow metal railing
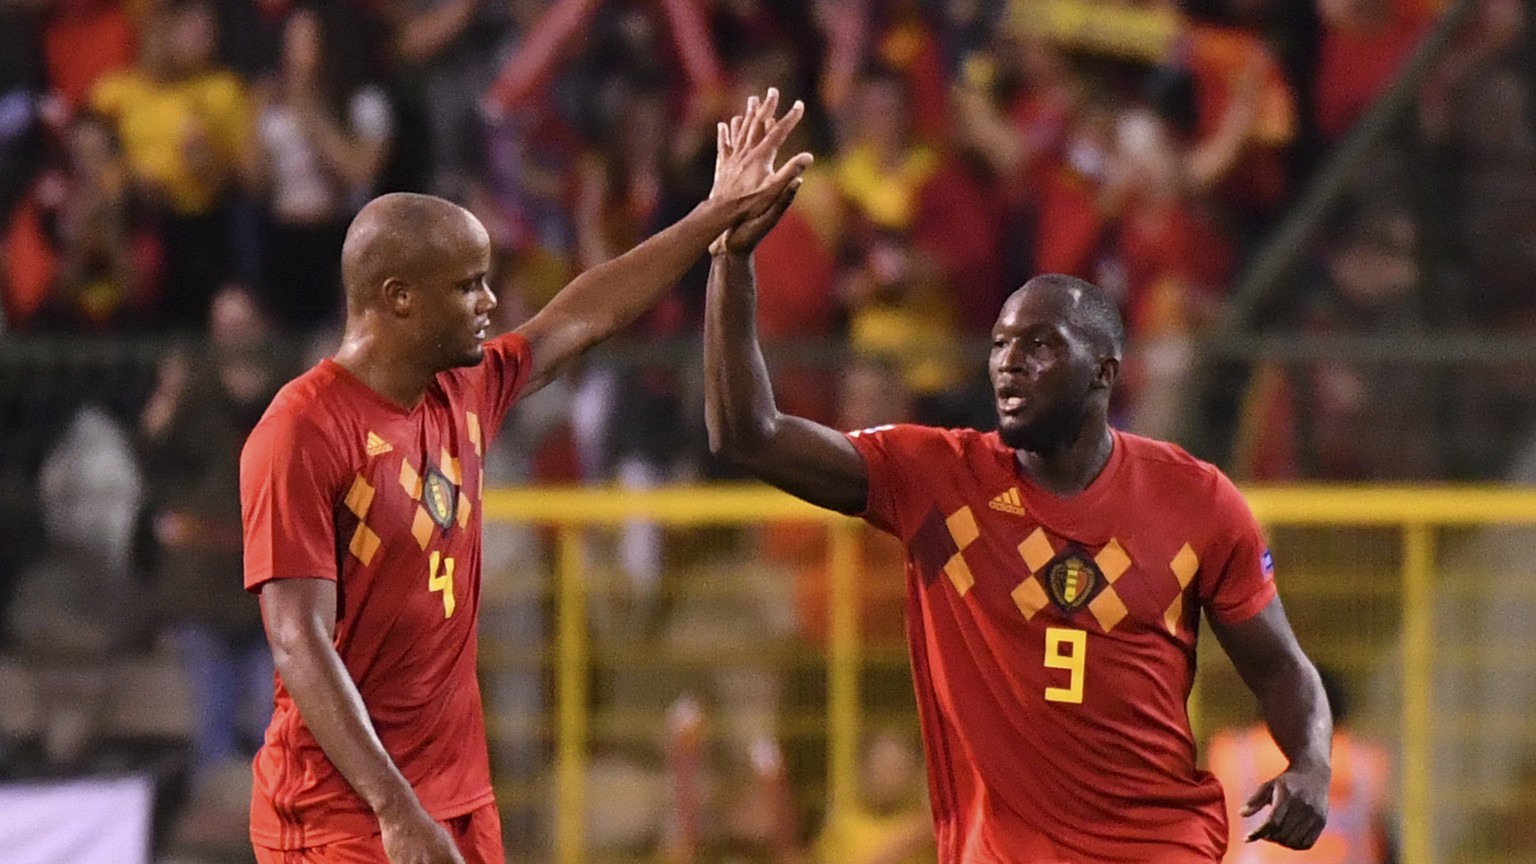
[1416,512]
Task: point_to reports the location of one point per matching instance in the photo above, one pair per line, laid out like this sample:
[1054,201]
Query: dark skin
[1051,379]
[415,270]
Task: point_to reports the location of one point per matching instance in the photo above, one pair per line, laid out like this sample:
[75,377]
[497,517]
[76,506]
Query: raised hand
[747,148]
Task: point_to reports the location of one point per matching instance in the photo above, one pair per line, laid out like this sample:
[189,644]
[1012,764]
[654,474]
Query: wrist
[724,252]
[719,214]
[396,805]
[1312,764]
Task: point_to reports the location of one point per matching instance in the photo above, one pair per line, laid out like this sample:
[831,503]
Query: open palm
[747,148]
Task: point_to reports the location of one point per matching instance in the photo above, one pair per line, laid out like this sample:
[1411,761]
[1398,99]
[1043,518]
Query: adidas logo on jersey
[1008,502]
[377,445]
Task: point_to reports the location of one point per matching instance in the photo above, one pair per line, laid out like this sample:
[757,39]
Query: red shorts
[477,834]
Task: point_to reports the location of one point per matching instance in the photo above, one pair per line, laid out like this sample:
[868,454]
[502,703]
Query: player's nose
[487,300]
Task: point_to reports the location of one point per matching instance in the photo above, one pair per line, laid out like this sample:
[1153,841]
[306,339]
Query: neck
[392,374]
[1070,468]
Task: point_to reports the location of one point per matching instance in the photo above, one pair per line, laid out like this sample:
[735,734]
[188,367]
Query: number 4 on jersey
[441,581]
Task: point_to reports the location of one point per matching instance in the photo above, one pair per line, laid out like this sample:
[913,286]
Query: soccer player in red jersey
[1056,572]
[361,487]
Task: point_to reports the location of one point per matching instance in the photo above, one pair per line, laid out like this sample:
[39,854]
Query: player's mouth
[481,331]
[1011,402]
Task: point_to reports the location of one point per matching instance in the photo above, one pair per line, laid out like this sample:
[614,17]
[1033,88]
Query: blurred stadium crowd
[176,177]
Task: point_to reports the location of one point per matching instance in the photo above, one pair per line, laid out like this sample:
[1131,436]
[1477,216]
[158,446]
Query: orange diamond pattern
[410,481]
[1030,597]
[1036,550]
[962,527]
[1175,613]
[450,467]
[1184,566]
[359,497]
[1108,608]
[1112,560]
[463,510]
[364,544]
[472,421]
[421,527]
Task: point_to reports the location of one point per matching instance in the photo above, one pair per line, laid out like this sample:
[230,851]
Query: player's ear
[1107,373]
[397,296]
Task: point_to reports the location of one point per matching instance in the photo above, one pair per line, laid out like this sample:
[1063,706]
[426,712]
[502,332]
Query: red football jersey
[337,482]
[1053,642]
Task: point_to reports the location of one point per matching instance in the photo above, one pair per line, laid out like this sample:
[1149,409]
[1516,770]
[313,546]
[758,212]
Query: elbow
[740,441]
[293,647]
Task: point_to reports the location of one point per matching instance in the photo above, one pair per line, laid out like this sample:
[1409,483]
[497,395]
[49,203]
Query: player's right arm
[300,619]
[290,480]
[805,459]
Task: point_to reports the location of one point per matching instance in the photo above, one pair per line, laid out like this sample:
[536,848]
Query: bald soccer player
[361,496]
[1056,573]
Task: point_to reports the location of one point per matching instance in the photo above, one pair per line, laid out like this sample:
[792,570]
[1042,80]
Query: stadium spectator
[190,436]
[106,26]
[1358,817]
[79,606]
[79,254]
[753,815]
[1363,43]
[185,128]
[323,135]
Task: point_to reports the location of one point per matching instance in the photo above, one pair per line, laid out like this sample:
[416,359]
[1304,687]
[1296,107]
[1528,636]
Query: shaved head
[1093,312]
[403,236]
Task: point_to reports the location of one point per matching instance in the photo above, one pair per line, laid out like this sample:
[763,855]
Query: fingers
[760,116]
[744,237]
[780,129]
[1272,825]
[722,146]
[1259,799]
[1303,822]
[786,198]
[1296,821]
[790,171]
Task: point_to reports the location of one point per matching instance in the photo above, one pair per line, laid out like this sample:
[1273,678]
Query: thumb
[1259,799]
[786,198]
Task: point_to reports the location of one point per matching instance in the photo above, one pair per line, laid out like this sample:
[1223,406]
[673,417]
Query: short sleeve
[888,453]
[290,482]
[1240,580]
[505,370]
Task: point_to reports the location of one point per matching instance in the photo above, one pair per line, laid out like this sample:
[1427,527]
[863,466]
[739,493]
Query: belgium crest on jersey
[1072,579]
[439,497]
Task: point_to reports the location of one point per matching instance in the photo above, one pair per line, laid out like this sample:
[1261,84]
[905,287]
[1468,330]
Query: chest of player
[1114,579]
[409,520]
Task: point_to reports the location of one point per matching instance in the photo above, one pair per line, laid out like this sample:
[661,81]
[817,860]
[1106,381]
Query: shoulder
[923,440]
[506,355]
[930,456]
[1169,463]
[303,413]
[1183,484]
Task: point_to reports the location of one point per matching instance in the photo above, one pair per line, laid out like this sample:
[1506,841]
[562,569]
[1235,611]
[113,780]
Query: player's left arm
[611,295]
[1290,693]
[1238,591]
